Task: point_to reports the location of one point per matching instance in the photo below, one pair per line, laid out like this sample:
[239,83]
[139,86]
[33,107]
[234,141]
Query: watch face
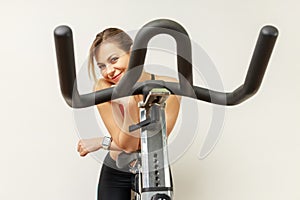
[106,141]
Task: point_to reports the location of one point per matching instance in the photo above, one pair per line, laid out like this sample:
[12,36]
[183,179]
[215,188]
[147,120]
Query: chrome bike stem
[156,172]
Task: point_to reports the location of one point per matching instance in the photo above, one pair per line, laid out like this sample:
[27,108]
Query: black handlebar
[139,51]
[128,84]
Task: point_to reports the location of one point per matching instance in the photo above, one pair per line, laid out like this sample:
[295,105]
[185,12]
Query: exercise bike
[151,165]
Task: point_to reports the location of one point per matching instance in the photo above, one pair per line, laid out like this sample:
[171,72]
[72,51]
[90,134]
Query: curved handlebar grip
[67,73]
[255,74]
[139,51]
[63,38]
[257,67]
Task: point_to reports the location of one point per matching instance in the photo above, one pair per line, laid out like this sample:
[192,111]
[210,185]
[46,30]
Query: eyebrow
[107,59]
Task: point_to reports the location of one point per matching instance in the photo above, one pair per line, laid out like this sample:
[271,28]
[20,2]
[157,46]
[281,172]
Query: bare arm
[117,125]
[86,146]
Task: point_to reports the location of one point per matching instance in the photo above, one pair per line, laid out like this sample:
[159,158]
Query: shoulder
[166,78]
[102,84]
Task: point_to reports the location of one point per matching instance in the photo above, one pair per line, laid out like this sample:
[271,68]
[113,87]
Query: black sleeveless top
[152,77]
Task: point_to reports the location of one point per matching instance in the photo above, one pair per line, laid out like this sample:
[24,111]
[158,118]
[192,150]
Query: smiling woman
[112,62]
[111,53]
[113,43]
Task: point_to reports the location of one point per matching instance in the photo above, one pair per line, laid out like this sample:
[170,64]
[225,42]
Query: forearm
[113,146]
[129,141]
[117,123]
[86,146]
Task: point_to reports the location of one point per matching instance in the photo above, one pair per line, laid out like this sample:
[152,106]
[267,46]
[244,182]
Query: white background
[257,156]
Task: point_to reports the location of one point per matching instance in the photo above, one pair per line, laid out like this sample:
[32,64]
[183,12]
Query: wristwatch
[106,142]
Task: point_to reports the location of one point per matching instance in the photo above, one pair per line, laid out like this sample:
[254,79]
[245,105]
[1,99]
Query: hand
[126,106]
[86,146]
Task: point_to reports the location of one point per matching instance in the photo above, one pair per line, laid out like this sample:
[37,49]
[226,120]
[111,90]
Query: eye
[113,60]
[102,67]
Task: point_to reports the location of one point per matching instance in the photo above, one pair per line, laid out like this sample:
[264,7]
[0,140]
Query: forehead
[106,50]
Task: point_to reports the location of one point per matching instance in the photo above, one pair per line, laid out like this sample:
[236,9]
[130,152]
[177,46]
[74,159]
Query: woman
[111,51]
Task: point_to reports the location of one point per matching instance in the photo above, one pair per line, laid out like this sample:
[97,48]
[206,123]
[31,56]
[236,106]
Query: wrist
[106,142]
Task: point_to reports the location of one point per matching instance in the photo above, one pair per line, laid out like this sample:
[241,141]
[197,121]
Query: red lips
[116,78]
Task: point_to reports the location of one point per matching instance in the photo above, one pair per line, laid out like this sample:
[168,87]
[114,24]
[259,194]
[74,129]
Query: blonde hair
[114,35]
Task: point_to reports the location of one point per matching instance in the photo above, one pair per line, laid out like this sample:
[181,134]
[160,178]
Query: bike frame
[156,182]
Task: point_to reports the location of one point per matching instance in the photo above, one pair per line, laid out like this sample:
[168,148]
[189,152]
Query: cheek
[125,64]
[104,75]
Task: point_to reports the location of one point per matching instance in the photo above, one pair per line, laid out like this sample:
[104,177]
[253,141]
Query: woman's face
[112,62]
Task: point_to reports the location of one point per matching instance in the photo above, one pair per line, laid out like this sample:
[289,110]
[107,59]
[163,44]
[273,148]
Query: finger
[83,153]
[79,146]
[80,150]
